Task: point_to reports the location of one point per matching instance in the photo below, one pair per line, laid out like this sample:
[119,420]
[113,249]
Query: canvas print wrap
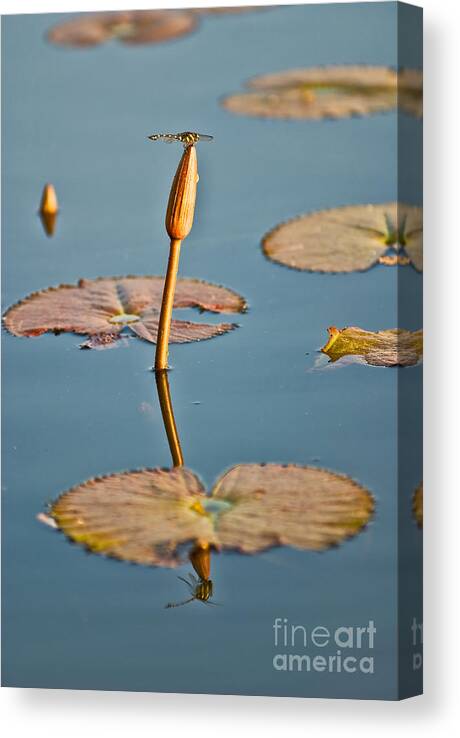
[213,350]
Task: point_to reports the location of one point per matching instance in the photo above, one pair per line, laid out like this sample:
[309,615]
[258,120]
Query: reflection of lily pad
[417,505]
[348,239]
[382,348]
[147,516]
[129,27]
[101,308]
[330,92]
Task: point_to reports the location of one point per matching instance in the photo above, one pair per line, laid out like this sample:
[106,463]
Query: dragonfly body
[187,138]
[200,589]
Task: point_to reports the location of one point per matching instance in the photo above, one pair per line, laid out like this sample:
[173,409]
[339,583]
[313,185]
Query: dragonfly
[187,138]
[200,589]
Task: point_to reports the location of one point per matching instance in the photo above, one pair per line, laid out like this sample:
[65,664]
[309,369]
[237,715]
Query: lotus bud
[200,558]
[49,209]
[49,202]
[181,204]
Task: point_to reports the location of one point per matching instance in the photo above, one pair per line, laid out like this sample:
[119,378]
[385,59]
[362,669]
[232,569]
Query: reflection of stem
[200,558]
[164,325]
[164,396]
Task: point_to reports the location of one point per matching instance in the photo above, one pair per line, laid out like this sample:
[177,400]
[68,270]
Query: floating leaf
[129,27]
[47,520]
[348,239]
[230,10]
[394,260]
[303,507]
[330,92]
[138,516]
[147,516]
[382,348]
[102,341]
[132,26]
[417,505]
[101,308]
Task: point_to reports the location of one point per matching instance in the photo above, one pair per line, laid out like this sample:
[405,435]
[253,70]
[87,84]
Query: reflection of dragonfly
[188,138]
[201,589]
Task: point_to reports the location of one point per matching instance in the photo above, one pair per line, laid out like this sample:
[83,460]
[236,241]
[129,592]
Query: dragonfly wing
[168,138]
[179,604]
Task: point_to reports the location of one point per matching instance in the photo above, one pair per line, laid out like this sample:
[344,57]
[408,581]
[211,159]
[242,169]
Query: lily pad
[129,27]
[417,505]
[302,507]
[348,239]
[102,308]
[148,516]
[229,10]
[132,26]
[381,348]
[330,92]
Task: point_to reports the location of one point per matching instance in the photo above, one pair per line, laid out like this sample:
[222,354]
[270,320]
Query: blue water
[79,119]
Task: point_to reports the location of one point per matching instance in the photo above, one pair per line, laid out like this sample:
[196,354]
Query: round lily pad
[148,516]
[140,517]
[381,348]
[230,10]
[102,308]
[132,26]
[348,239]
[330,92]
[417,505]
[129,27]
[299,506]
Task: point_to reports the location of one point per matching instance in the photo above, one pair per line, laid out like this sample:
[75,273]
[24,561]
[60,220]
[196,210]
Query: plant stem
[164,325]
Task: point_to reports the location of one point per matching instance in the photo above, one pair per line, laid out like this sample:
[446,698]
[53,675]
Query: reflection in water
[151,516]
[49,223]
[201,587]
[164,396]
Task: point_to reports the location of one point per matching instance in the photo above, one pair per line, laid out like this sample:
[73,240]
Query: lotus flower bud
[49,209]
[49,203]
[200,558]
[181,204]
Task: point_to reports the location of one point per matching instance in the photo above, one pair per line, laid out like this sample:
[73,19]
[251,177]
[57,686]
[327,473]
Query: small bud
[49,203]
[49,209]
[181,204]
[200,559]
